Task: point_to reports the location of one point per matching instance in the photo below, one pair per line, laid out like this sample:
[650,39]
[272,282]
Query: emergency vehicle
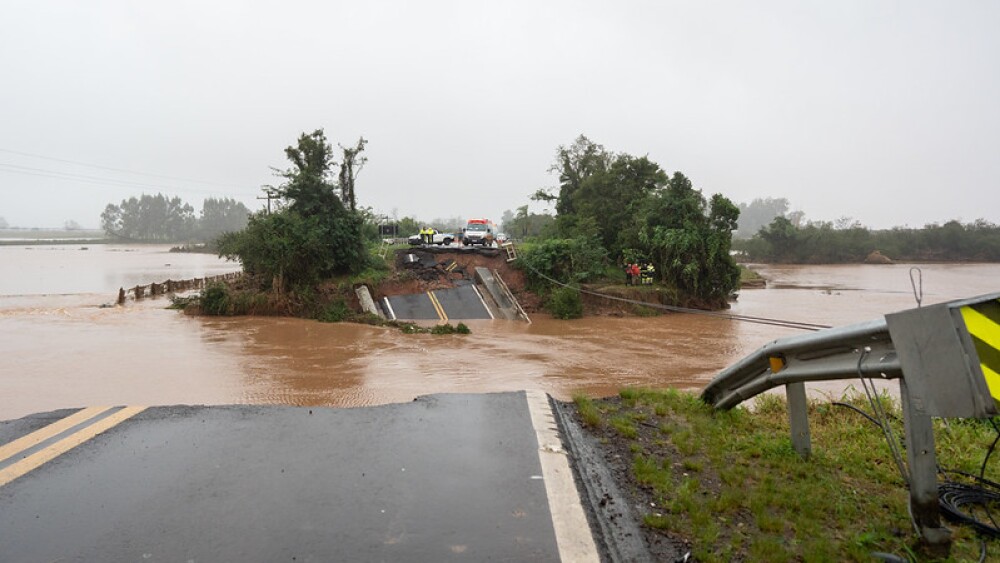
[479,231]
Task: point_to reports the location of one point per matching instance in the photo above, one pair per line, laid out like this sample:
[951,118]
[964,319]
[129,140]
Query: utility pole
[269,194]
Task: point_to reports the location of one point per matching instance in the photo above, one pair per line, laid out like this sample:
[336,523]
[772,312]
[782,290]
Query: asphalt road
[457,303]
[446,477]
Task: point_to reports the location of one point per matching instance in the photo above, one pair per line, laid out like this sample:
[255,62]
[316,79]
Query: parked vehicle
[502,238]
[439,238]
[479,231]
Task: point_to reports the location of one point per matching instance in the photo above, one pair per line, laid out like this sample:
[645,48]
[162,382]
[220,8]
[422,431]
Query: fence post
[121,295]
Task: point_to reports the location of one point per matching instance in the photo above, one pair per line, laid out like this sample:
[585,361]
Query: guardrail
[172,286]
[941,355]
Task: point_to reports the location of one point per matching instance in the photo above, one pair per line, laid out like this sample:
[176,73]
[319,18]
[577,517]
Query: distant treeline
[158,218]
[823,243]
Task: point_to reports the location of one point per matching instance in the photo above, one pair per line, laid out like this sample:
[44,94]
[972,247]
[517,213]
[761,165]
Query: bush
[565,303]
[334,312]
[571,260]
[215,300]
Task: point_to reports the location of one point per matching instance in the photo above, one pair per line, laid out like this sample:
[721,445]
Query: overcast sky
[888,112]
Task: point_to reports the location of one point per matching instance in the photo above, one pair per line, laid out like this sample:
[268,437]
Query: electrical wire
[882,418]
[113,169]
[743,318]
[31,171]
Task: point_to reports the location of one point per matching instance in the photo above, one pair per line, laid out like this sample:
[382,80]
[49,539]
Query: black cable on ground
[961,502]
[857,410]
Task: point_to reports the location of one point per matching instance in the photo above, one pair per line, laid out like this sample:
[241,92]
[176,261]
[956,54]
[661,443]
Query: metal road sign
[950,355]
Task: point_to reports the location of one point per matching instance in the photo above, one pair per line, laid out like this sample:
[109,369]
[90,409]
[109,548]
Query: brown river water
[61,349]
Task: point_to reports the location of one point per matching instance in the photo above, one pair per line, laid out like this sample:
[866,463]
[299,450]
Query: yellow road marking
[982,327]
[437,306]
[42,434]
[36,459]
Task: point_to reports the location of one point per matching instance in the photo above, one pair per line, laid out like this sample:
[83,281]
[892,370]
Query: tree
[575,164]
[72,226]
[3,223]
[348,172]
[313,236]
[613,198]
[149,219]
[689,247]
[221,215]
[308,189]
[758,214]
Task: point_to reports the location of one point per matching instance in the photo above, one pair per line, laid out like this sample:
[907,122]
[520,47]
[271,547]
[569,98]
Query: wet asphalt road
[457,303]
[446,477]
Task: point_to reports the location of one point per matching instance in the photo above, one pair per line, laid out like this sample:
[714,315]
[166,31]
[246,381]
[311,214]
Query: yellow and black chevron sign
[983,323]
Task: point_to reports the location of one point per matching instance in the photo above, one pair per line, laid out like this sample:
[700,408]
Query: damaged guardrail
[945,356]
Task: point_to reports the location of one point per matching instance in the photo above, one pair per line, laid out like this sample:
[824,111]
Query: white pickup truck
[439,238]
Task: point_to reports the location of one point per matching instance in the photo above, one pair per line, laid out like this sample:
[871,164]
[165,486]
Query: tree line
[848,241]
[159,218]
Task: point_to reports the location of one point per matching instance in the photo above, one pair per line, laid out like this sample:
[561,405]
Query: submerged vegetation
[730,484]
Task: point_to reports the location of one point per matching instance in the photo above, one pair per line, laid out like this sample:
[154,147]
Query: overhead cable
[113,169]
[743,318]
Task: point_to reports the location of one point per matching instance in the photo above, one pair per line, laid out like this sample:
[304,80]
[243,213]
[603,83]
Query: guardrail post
[921,458]
[798,418]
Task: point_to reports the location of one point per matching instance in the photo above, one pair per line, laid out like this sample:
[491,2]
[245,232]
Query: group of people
[639,274]
[427,235]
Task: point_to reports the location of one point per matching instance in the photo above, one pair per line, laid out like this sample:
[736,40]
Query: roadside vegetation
[730,485]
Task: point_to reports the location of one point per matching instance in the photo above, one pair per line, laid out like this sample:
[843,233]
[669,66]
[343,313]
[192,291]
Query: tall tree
[758,214]
[350,167]
[221,215]
[308,188]
[149,219]
[575,164]
[312,236]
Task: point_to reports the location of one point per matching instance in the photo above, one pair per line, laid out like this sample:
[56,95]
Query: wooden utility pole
[269,194]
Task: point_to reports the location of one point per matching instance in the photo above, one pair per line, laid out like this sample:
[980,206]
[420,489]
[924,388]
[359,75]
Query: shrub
[565,303]
[334,312]
[215,299]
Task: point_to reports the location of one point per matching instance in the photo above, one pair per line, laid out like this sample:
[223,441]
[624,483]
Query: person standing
[628,274]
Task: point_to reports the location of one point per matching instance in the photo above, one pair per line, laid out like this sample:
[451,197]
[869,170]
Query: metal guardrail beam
[825,355]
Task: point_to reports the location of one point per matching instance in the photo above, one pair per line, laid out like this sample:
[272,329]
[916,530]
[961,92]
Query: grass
[748,275]
[731,484]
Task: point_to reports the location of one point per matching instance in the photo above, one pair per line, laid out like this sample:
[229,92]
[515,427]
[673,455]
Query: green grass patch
[731,484]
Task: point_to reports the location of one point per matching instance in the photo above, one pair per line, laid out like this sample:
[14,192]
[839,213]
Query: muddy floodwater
[60,348]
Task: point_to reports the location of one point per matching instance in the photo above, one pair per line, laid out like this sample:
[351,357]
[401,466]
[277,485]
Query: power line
[41,172]
[113,169]
[744,318]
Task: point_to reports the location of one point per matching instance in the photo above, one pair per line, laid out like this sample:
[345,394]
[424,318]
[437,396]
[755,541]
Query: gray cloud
[883,111]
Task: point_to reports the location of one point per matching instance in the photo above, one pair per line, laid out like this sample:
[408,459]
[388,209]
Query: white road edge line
[573,536]
[483,301]
[389,307]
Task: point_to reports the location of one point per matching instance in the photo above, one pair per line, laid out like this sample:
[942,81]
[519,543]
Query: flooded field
[62,349]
